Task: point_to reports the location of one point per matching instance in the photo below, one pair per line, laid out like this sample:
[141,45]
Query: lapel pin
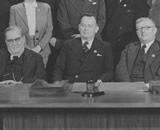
[95,51]
[94,3]
[153,55]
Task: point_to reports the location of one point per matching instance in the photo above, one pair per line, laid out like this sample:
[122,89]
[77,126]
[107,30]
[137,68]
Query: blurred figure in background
[154,14]
[120,23]
[70,11]
[35,19]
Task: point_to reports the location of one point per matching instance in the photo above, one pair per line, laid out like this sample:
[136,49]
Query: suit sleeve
[101,19]
[12,20]
[39,70]
[141,9]
[63,20]
[60,64]
[48,34]
[122,74]
[108,64]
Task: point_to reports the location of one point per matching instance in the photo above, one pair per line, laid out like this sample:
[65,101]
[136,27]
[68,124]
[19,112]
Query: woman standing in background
[35,19]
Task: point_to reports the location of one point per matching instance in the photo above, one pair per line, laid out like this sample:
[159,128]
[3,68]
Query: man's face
[88,27]
[146,31]
[15,41]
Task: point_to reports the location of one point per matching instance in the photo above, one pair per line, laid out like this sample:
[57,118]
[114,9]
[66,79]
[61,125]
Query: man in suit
[140,61]
[85,58]
[120,23]
[70,11]
[19,64]
[35,20]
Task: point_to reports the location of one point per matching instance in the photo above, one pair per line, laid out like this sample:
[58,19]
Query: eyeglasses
[11,41]
[146,28]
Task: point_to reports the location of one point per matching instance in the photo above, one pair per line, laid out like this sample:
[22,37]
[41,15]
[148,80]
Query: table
[125,106]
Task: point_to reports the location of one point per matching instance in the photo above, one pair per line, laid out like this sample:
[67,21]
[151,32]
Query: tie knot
[85,48]
[144,46]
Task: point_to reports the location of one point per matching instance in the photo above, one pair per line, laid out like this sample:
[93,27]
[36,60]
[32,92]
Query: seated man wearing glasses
[18,64]
[140,61]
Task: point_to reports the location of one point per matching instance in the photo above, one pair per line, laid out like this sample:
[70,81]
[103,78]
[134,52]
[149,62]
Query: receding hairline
[145,19]
[12,28]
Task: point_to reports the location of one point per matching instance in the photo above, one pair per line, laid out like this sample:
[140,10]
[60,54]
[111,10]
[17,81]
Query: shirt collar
[89,42]
[19,55]
[33,4]
[147,44]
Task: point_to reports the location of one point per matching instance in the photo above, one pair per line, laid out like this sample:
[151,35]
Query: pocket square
[99,55]
[94,3]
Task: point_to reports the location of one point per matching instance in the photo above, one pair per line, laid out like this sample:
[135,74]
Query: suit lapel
[27,60]
[132,54]
[77,49]
[153,52]
[22,13]
[95,48]
[77,4]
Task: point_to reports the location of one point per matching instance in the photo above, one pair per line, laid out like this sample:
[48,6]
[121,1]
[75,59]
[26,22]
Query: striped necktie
[84,47]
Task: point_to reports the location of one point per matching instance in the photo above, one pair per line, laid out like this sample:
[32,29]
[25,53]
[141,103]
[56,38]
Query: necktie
[85,48]
[143,50]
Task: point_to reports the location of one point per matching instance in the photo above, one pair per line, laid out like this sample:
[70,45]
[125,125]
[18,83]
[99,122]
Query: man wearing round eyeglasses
[140,60]
[19,64]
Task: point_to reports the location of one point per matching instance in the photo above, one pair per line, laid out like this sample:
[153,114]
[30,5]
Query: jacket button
[37,38]
[76,76]
[36,31]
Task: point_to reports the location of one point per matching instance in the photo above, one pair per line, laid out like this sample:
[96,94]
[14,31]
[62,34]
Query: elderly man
[140,61]
[85,58]
[17,63]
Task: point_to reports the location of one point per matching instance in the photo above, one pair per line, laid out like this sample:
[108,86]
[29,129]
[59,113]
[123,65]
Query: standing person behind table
[36,22]
[18,64]
[85,58]
[140,60]
[70,11]
[120,23]
[154,14]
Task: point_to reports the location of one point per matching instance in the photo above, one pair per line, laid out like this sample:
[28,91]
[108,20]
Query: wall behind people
[120,23]
[4,20]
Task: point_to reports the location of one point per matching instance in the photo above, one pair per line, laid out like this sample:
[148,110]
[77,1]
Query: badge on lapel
[97,54]
[153,55]
[93,2]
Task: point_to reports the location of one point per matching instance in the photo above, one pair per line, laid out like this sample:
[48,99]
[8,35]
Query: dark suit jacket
[44,25]
[33,68]
[70,11]
[120,20]
[128,56]
[73,65]
[154,13]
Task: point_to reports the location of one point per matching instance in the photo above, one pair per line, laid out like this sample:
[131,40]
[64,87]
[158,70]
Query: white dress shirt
[148,45]
[89,43]
[31,17]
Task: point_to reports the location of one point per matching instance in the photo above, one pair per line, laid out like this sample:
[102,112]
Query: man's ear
[97,29]
[23,39]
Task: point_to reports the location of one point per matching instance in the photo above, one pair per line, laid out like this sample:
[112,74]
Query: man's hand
[36,49]
[10,82]
[76,36]
[53,41]
[98,83]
